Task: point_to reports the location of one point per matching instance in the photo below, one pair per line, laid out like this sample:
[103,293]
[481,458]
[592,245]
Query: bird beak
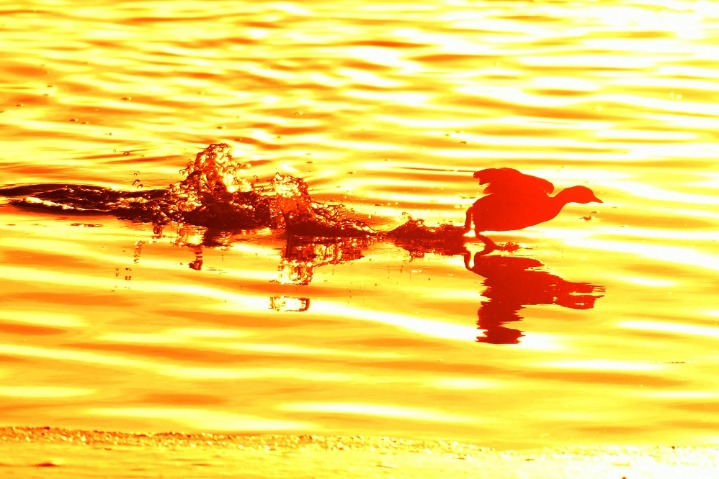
[597,200]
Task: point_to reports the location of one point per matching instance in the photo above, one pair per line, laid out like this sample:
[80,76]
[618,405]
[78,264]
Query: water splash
[304,217]
[418,238]
[216,194]
[213,194]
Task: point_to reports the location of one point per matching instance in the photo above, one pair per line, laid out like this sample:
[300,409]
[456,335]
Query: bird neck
[559,201]
[563,197]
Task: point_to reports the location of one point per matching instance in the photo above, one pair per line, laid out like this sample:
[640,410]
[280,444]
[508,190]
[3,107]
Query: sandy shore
[50,452]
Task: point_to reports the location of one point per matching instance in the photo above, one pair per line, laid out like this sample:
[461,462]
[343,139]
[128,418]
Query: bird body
[516,201]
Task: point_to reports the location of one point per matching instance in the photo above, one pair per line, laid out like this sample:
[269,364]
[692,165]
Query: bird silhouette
[515,201]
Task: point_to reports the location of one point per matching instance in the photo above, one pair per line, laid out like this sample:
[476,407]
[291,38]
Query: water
[386,108]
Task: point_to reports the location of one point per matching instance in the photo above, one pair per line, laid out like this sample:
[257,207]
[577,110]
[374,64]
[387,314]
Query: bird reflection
[514,282]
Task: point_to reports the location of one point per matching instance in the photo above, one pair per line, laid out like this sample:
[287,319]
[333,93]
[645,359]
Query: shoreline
[35,452]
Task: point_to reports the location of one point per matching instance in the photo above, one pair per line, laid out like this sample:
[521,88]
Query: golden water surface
[602,328]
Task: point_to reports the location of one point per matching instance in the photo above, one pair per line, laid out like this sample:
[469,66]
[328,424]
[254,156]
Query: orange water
[388,108]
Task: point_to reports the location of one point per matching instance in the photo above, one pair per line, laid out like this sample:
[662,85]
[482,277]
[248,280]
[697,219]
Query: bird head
[581,194]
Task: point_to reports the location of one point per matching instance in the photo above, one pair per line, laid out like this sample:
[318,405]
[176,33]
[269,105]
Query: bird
[514,200]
